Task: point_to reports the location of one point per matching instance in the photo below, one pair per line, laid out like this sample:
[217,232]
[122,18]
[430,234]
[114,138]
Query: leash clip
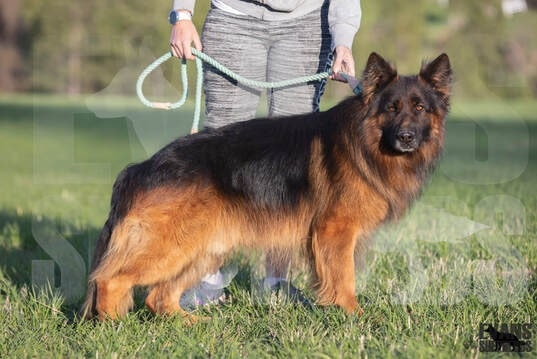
[353,82]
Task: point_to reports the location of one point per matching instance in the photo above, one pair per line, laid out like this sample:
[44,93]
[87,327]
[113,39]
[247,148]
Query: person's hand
[183,35]
[343,62]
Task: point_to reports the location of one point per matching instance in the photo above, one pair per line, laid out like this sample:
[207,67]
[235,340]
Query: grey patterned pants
[263,51]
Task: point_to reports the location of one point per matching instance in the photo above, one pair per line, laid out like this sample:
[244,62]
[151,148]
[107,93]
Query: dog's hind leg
[158,262]
[164,234]
[164,297]
[114,297]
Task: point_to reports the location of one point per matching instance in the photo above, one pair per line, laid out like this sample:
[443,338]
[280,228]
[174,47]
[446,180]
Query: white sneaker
[209,291]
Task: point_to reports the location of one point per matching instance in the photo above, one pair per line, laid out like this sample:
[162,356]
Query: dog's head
[409,110]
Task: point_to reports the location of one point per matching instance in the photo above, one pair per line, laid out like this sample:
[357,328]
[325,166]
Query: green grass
[464,256]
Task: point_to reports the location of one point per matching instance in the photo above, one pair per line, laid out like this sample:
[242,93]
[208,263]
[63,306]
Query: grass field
[466,255]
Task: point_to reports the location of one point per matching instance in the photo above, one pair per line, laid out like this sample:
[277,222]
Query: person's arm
[344,17]
[184,34]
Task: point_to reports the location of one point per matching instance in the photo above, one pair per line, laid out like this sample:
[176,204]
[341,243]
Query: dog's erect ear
[377,74]
[438,75]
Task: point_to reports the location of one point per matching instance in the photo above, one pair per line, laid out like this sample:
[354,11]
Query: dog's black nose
[406,136]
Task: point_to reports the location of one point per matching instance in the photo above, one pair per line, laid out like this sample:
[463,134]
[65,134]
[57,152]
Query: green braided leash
[200,56]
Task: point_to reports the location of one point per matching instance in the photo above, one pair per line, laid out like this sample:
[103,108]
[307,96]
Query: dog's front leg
[333,245]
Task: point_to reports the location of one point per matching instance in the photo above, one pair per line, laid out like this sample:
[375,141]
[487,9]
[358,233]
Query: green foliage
[79,47]
[443,322]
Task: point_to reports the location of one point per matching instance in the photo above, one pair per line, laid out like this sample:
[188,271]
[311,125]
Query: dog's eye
[419,107]
[391,108]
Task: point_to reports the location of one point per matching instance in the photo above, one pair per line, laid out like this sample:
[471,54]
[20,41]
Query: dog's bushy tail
[87,310]
[120,203]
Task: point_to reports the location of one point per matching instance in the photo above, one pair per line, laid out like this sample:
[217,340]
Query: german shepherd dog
[320,182]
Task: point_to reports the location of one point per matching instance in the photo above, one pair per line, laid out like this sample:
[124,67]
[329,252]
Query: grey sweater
[343,15]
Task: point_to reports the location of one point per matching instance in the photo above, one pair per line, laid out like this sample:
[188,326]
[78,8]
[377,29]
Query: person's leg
[300,47]
[239,43]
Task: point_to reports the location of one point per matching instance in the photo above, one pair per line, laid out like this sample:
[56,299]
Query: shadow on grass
[43,253]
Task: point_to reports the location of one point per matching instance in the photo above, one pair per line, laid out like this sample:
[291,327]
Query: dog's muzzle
[406,140]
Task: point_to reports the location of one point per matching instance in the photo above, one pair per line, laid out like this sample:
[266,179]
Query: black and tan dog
[319,181]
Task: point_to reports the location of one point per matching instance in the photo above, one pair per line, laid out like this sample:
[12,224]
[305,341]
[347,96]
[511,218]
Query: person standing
[267,40]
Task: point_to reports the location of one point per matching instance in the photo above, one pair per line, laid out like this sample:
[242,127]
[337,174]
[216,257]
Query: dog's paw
[191,319]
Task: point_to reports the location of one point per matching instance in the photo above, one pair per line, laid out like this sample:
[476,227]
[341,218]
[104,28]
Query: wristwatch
[177,15]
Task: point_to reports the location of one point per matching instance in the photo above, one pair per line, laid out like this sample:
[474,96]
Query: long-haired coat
[318,181]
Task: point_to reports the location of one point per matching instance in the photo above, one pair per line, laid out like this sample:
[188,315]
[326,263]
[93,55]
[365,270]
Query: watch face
[173,17]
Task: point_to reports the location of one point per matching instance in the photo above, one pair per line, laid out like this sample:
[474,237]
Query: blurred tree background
[78,47]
